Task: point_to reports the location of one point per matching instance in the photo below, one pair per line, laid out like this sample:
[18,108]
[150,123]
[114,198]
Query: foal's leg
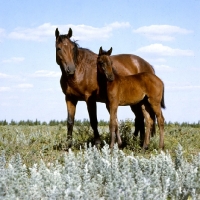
[113,125]
[160,119]
[119,141]
[149,124]
[71,109]
[92,110]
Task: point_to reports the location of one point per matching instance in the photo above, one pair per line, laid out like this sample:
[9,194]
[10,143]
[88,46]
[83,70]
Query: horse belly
[130,97]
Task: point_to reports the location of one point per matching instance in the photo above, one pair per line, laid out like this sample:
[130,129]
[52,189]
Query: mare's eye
[58,49]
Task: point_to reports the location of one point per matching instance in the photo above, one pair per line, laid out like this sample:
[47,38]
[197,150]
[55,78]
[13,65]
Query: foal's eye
[100,63]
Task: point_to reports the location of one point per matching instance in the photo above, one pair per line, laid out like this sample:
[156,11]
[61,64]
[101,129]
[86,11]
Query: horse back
[129,64]
[130,90]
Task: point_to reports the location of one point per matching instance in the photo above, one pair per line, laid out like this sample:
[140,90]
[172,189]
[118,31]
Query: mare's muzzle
[69,69]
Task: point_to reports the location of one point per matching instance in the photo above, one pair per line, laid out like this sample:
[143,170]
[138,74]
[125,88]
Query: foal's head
[104,64]
[66,52]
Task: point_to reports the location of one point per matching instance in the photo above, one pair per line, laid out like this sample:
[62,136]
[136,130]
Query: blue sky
[166,33]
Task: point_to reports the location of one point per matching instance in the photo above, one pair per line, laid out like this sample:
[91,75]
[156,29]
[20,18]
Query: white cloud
[173,85]
[14,60]
[2,75]
[161,32]
[45,73]
[36,34]
[24,86]
[157,60]
[183,87]
[161,50]
[4,89]
[82,32]
[163,68]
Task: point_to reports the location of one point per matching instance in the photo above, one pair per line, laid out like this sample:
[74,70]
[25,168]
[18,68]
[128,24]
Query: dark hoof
[67,145]
[135,134]
[145,148]
[119,144]
[97,143]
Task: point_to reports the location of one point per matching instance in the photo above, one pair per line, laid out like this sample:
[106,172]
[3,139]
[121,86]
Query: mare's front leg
[92,110]
[71,109]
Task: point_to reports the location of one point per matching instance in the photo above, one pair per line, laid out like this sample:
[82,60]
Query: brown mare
[80,81]
[145,89]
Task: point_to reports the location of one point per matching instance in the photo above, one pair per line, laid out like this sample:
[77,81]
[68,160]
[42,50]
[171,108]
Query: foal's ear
[57,33]
[69,34]
[100,51]
[109,52]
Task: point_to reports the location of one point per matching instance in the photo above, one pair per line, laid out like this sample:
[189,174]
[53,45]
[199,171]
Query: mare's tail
[162,100]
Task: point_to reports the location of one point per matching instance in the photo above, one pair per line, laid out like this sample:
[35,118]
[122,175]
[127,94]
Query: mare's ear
[109,52]
[57,33]
[69,34]
[100,51]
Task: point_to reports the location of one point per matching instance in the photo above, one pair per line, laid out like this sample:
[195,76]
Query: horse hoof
[119,144]
[67,145]
[98,143]
[145,148]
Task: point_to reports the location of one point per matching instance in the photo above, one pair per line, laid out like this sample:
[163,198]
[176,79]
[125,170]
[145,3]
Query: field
[36,165]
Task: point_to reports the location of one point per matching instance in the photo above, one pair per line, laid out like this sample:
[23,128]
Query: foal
[143,88]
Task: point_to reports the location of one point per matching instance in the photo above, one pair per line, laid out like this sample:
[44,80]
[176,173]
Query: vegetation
[85,122]
[35,153]
[36,140]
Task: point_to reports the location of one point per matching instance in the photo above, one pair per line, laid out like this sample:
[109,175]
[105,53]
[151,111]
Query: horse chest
[80,90]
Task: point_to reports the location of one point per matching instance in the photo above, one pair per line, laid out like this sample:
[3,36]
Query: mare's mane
[75,49]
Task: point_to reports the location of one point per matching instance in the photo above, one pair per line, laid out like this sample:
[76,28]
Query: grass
[48,143]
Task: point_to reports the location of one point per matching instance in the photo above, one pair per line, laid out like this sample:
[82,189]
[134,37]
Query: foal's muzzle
[110,77]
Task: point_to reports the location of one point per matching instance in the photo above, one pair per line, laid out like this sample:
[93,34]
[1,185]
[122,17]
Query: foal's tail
[162,100]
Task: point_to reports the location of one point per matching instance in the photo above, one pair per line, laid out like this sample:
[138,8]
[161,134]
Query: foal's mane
[75,49]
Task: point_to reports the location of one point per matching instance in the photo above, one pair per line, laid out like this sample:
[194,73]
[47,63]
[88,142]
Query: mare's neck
[85,56]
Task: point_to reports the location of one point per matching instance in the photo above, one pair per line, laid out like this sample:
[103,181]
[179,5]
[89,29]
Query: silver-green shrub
[102,174]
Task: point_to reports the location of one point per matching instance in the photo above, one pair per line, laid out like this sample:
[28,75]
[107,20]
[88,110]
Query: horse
[145,89]
[80,81]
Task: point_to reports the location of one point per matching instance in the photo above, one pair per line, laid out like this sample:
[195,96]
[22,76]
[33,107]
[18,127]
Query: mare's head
[104,64]
[66,52]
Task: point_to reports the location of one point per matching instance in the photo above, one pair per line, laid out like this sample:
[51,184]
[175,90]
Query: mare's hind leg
[160,119]
[139,122]
[153,117]
[92,110]
[71,108]
[149,124]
